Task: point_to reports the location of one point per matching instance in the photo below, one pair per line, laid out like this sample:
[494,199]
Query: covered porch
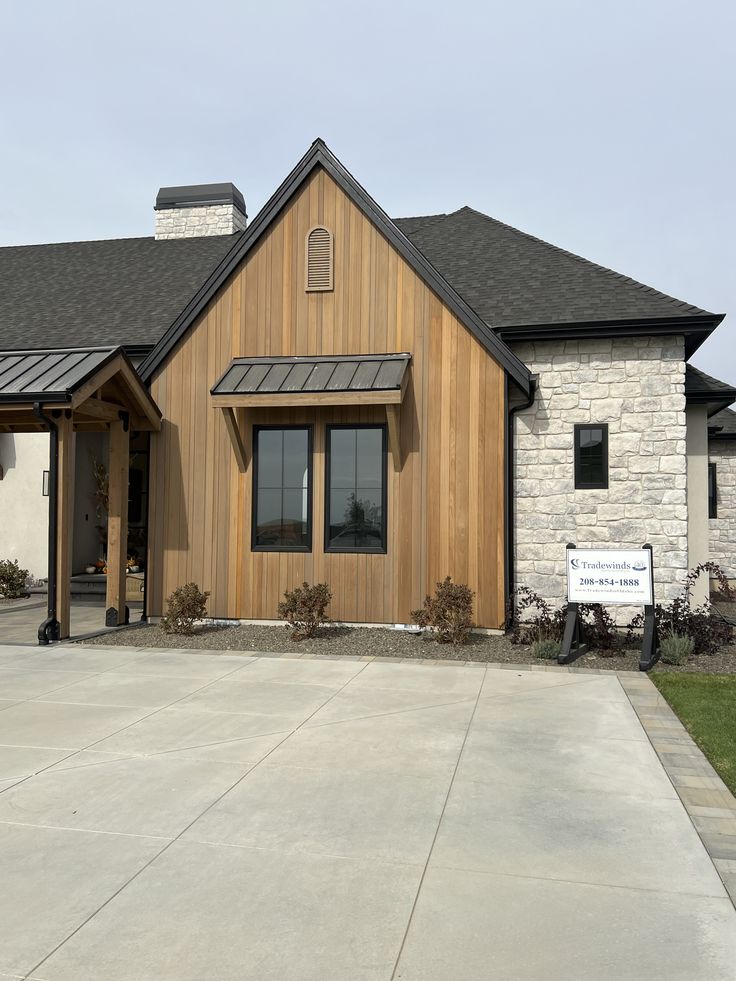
[68,393]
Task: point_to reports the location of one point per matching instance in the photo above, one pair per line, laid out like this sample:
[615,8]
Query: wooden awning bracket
[232,425]
[393,421]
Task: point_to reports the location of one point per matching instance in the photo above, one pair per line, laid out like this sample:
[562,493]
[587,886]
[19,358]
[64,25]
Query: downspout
[49,629]
[510,537]
[144,614]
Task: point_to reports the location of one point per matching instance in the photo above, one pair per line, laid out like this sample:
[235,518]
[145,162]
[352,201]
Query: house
[329,394]
[722,490]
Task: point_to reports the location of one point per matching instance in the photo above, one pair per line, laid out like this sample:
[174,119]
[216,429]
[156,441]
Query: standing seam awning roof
[354,373]
[51,375]
[71,378]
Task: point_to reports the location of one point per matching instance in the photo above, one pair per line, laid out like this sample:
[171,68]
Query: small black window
[712,491]
[356,489]
[282,489]
[591,457]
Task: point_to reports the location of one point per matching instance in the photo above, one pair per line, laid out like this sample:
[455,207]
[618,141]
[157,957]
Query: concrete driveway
[181,817]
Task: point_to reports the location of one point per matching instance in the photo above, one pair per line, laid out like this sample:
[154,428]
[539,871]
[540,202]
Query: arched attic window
[319,259]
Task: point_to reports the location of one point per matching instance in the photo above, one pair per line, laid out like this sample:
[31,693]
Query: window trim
[310,489]
[595,484]
[712,498]
[357,550]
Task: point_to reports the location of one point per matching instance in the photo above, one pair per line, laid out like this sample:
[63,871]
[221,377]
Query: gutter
[49,629]
[510,538]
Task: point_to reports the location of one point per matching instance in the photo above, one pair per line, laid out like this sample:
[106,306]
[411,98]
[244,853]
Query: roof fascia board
[712,404]
[695,330]
[320,155]
[701,320]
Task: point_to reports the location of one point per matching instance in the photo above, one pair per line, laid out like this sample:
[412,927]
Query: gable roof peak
[319,154]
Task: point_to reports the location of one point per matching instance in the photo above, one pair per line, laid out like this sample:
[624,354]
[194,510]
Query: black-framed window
[591,457]
[712,491]
[282,489]
[355,489]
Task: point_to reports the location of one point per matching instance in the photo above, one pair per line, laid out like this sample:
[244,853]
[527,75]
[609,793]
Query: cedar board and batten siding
[445,507]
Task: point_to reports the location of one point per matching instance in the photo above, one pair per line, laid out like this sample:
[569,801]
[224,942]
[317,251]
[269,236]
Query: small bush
[529,618]
[676,648]
[305,609]
[708,631]
[600,630]
[449,613]
[185,605]
[13,579]
[548,650]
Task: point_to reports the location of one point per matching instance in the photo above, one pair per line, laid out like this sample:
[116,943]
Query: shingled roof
[724,425]
[112,292]
[134,291]
[513,279]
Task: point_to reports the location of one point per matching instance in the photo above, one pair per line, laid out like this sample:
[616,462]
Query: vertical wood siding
[445,507]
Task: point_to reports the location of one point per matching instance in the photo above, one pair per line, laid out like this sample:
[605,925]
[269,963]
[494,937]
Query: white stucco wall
[637,387]
[23,508]
[722,529]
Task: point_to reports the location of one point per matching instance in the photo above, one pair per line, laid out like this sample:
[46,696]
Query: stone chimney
[199,209]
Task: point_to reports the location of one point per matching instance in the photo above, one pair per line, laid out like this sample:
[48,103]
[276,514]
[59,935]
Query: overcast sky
[604,127]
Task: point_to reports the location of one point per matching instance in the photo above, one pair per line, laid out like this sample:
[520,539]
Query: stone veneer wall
[722,530]
[637,386]
[215,219]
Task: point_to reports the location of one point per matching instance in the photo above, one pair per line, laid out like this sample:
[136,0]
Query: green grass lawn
[706,705]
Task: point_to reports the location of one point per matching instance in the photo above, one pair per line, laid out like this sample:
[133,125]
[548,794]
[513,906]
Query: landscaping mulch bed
[379,642]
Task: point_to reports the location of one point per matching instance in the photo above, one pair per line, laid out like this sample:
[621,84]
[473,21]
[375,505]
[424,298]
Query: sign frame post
[571,648]
[650,652]
[592,575]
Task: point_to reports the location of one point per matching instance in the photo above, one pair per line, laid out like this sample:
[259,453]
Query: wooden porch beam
[117,524]
[64,523]
[393,419]
[99,409]
[236,437]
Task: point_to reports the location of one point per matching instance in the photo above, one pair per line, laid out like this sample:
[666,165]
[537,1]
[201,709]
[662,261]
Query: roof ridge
[691,307]
[440,214]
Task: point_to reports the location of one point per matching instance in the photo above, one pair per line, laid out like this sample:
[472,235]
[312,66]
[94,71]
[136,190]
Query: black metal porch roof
[54,374]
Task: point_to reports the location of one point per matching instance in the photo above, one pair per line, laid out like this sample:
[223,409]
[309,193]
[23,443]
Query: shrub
[676,648]
[13,579]
[449,613]
[529,618]
[304,608]
[708,631]
[600,630]
[185,605]
[547,649]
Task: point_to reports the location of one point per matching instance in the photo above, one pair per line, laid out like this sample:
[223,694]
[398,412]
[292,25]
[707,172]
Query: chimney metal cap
[199,196]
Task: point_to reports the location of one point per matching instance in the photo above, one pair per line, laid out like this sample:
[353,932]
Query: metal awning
[353,379]
[356,379]
[95,383]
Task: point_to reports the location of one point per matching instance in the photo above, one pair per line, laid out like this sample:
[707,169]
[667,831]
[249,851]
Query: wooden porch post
[64,523]
[117,524]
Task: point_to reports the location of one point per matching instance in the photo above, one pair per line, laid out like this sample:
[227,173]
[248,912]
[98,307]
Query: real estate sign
[610,575]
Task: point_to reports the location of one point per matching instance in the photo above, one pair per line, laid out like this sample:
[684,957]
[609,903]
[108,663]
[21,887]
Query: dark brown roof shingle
[513,279]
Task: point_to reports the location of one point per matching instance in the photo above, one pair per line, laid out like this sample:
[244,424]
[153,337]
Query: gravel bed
[377,642]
